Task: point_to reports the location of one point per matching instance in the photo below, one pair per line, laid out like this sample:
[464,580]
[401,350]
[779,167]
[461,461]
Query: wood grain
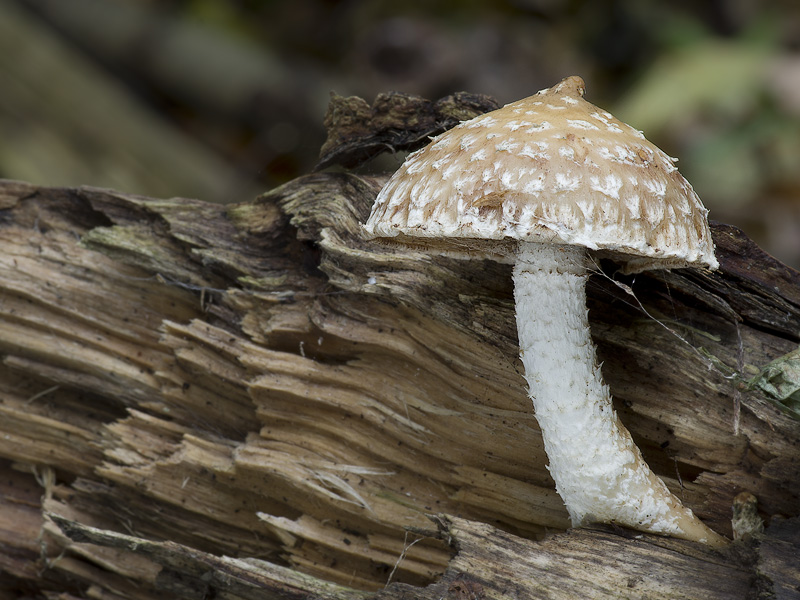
[260,382]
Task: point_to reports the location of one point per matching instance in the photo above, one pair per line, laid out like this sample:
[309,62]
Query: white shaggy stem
[598,470]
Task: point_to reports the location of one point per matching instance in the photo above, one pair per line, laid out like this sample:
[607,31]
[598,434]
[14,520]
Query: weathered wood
[358,132]
[490,563]
[259,381]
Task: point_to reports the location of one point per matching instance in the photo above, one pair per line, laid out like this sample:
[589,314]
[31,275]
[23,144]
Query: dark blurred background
[223,99]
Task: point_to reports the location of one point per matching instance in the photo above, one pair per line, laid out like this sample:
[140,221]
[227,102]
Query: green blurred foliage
[705,98]
[724,107]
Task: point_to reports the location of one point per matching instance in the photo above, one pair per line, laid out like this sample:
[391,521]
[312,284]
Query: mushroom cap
[549,168]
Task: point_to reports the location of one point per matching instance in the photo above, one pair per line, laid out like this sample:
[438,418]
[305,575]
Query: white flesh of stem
[598,470]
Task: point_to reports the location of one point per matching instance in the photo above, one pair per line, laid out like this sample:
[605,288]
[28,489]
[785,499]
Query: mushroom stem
[598,470]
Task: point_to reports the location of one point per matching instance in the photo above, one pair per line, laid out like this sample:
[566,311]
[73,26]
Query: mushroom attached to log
[537,183]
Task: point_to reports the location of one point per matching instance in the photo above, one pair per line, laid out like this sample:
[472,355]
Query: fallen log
[254,399]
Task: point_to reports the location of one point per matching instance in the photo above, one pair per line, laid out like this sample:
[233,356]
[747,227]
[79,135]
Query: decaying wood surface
[253,401]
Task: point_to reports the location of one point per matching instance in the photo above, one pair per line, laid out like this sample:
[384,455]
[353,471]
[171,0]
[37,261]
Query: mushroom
[539,183]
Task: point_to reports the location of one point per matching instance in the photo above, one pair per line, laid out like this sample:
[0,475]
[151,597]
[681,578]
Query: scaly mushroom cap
[549,168]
